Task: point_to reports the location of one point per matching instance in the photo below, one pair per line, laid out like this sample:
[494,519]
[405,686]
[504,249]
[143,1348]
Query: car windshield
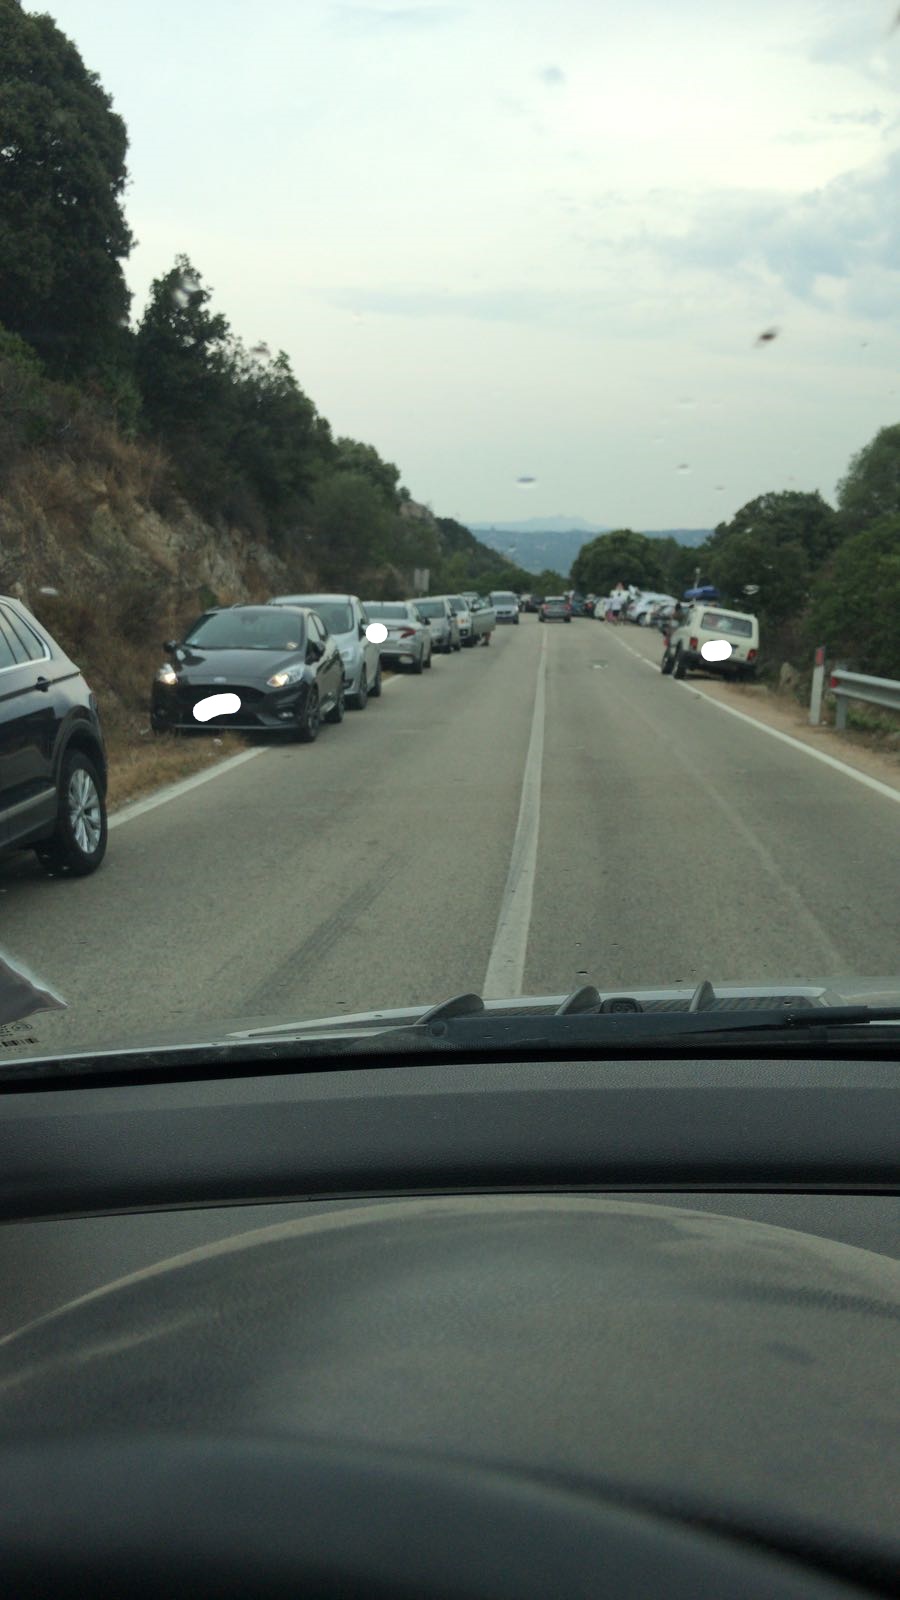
[263,628]
[336,614]
[309,302]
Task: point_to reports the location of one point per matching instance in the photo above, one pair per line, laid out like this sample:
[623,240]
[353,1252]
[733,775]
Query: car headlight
[167,675]
[280,680]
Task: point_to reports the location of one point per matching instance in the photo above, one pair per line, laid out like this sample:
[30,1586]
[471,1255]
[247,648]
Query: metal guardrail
[847,686]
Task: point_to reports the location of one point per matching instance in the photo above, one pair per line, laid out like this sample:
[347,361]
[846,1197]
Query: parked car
[701,623]
[462,610]
[505,604]
[484,621]
[555,608]
[441,618]
[53,768]
[345,618]
[408,641]
[280,662]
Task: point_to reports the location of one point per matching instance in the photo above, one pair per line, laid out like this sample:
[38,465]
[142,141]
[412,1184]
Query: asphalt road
[653,839]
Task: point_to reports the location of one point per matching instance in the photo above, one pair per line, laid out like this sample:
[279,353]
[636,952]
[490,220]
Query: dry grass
[142,762]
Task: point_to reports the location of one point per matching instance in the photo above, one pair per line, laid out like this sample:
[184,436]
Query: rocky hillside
[102,548]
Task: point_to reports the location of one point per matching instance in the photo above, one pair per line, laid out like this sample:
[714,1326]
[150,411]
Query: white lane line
[172,791]
[797,744]
[138,808]
[506,967]
[884,789]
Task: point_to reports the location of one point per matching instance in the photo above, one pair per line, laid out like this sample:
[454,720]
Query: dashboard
[560,1327]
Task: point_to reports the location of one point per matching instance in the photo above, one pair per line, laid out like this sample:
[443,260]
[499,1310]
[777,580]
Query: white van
[706,622]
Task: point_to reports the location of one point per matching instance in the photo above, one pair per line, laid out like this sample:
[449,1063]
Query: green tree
[350,455]
[63,234]
[189,377]
[776,543]
[618,557]
[547,582]
[279,442]
[350,526]
[787,517]
[778,572]
[856,601]
[870,488]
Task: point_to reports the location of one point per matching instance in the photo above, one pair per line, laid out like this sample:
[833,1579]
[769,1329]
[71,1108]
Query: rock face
[112,560]
[94,537]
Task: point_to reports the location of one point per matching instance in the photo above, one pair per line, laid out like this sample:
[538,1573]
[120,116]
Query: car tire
[361,698]
[375,691]
[679,666]
[336,714]
[308,726]
[665,665]
[567,619]
[516,621]
[419,663]
[78,843]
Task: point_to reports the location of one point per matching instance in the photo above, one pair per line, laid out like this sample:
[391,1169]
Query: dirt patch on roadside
[866,752]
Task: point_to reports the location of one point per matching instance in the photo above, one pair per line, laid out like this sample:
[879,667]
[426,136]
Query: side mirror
[314,651]
[170,645]
[362,630]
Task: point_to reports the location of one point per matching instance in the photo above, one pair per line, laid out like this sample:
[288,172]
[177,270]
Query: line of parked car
[699,633]
[287,665]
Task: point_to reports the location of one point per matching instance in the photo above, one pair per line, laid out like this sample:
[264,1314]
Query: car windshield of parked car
[337,615]
[306,302]
[266,628]
[387,613]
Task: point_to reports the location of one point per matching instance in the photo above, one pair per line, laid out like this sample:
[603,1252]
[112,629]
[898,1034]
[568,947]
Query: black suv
[52,756]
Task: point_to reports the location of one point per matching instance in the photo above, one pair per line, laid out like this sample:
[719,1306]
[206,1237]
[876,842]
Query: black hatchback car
[52,756]
[251,668]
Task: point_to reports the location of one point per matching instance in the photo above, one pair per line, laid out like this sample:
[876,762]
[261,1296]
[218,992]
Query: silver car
[437,612]
[506,605]
[346,619]
[408,635]
[462,611]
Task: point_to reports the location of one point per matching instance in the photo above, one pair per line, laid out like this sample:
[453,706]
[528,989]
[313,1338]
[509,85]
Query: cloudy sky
[538,239]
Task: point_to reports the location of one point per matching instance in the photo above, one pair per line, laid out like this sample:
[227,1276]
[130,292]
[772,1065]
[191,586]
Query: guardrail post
[840,711]
[818,683]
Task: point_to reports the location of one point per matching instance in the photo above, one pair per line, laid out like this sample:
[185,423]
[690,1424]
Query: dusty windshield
[403,301]
[336,614]
[247,630]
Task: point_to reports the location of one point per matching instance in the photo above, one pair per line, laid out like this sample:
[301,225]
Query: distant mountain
[689,536]
[541,525]
[552,543]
